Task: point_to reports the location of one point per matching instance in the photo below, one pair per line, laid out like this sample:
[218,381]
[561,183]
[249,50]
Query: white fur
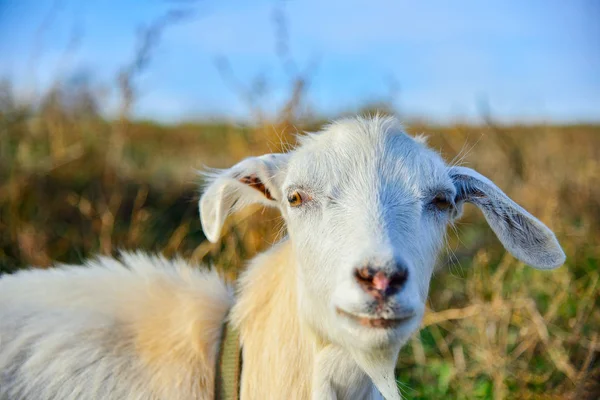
[143,328]
[149,328]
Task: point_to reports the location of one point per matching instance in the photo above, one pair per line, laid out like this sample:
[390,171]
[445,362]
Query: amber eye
[295,199]
[441,202]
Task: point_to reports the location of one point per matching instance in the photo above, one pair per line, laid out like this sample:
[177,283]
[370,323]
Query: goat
[322,314]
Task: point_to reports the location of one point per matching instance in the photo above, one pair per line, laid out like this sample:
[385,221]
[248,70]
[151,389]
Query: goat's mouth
[375,321]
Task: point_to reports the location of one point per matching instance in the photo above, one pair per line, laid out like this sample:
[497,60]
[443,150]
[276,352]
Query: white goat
[323,314]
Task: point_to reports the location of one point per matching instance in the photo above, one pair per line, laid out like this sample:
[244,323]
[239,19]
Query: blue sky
[532,60]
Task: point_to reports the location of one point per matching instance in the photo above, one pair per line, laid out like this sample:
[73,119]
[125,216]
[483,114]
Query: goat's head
[366,208]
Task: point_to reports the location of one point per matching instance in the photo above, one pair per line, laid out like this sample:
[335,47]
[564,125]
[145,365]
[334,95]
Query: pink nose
[379,283]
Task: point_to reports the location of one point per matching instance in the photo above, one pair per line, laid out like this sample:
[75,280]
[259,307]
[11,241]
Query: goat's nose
[381,283]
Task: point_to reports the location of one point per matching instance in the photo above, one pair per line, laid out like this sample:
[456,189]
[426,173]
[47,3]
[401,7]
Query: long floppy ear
[523,235]
[253,180]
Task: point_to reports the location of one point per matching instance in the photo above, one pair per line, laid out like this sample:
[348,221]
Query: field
[73,184]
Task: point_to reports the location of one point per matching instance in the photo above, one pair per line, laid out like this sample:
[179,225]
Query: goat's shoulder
[160,318]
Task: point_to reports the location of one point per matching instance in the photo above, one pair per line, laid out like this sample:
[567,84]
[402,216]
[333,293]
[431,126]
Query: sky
[530,61]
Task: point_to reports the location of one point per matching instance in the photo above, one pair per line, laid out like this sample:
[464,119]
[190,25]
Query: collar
[229,364]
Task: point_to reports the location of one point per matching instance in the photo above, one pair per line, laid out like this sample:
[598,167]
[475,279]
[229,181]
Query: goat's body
[147,328]
[144,329]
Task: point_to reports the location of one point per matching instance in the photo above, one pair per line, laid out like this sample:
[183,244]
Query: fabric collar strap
[229,364]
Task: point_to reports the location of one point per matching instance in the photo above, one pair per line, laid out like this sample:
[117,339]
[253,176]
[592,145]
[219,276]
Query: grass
[73,184]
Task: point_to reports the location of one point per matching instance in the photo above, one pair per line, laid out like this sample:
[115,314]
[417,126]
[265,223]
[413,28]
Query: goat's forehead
[371,148]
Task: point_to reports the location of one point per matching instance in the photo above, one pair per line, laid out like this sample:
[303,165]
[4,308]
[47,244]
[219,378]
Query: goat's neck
[283,358]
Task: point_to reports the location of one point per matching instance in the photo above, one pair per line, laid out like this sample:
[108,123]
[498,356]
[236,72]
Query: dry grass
[73,184]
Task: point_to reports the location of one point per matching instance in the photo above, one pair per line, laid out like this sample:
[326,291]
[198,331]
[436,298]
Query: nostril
[364,277]
[399,278]
[364,274]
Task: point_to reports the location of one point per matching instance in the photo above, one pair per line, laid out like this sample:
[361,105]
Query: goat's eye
[295,199]
[441,202]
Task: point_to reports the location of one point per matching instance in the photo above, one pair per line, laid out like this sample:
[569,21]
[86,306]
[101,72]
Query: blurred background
[108,108]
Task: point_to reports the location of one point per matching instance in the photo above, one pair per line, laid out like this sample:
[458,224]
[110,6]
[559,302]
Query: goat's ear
[523,235]
[254,180]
